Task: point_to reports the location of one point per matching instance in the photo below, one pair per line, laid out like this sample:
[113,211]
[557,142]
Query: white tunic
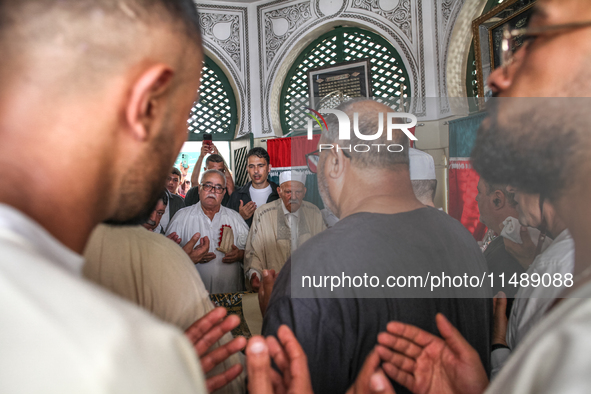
[62,334]
[531,303]
[555,356]
[218,277]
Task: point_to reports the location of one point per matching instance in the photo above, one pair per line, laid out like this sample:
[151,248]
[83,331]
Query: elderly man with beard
[541,147]
[384,231]
[279,227]
[220,274]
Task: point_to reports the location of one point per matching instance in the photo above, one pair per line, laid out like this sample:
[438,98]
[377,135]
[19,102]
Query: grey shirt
[338,333]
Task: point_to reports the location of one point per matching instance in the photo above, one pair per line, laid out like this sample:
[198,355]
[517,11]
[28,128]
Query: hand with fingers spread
[204,333]
[174,237]
[524,253]
[289,357]
[265,289]
[197,252]
[425,363]
[500,319]
[247,210]
[371,378]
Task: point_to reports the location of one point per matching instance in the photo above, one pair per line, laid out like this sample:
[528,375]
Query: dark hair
[176,171]
[259,152]
[502,187]
[164,197]
[214,158]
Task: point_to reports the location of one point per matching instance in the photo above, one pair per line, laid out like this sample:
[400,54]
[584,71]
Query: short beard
[531,143]
[143,184]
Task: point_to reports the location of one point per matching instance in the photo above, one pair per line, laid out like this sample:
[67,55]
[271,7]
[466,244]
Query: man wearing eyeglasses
[540,145]
[220,273]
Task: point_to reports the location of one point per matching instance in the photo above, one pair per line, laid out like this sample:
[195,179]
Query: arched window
[215,112]
[341,45]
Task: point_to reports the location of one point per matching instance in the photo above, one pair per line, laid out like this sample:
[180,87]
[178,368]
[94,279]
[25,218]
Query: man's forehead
[256,160]
[212,178]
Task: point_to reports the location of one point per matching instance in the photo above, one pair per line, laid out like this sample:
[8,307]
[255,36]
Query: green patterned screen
[342,44]
[215,112]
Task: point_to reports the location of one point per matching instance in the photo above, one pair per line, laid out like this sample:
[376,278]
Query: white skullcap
[422,165]
[286,176]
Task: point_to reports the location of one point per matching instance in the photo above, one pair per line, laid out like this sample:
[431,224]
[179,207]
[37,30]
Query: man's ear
[146,101]
[498,199]
[335,163]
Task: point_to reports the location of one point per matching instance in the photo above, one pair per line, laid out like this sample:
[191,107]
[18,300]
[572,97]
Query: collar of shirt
[199,210]
[24,228]
[296,214]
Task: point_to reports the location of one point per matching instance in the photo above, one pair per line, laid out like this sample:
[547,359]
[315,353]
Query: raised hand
[234,255]
[500,319]
[525,252]
[246,211]
[265,289]
[255,282]
[196,253]
[289,357]
[425,363]
[174,237]
[371,378]
[204,333]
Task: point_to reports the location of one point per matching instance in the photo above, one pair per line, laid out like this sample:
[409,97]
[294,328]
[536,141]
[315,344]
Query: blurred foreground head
[537,137]
[97,91]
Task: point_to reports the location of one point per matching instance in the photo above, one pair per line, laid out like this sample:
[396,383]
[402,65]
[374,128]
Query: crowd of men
[78,258]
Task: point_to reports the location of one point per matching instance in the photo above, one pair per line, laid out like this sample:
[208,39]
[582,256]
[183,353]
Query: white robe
[217,276]
[62,334]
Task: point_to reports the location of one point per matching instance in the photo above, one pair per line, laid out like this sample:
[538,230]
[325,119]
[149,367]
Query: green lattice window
[216,110]
[341,45]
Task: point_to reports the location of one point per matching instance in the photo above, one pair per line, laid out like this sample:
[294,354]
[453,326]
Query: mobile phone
[184,160]
[207,139]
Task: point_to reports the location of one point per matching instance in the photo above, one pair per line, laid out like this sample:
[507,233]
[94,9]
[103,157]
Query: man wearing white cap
[422,176]
[279,227]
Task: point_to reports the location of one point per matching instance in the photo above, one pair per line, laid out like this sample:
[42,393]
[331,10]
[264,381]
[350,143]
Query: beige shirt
[153,272]
[62,334]
[269,241]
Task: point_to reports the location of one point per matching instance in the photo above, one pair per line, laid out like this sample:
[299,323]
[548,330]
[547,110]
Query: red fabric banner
[291,151]
[463,181]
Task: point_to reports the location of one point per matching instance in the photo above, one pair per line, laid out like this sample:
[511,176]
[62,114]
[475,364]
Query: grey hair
[369,112]
[214,172]
[424,189]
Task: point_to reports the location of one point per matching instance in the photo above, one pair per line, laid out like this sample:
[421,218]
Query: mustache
[211,195]
[150,222]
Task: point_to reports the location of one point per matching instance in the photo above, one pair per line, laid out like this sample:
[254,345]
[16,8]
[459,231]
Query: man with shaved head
[384,231]
[98,91]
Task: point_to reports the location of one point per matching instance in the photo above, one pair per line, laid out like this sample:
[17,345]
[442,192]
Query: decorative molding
[446,8]
[400,16]
[289,18]
[239,71]
[231,44]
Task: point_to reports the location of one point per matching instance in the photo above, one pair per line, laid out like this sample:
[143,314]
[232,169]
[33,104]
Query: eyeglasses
[518,38]
[217,188]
